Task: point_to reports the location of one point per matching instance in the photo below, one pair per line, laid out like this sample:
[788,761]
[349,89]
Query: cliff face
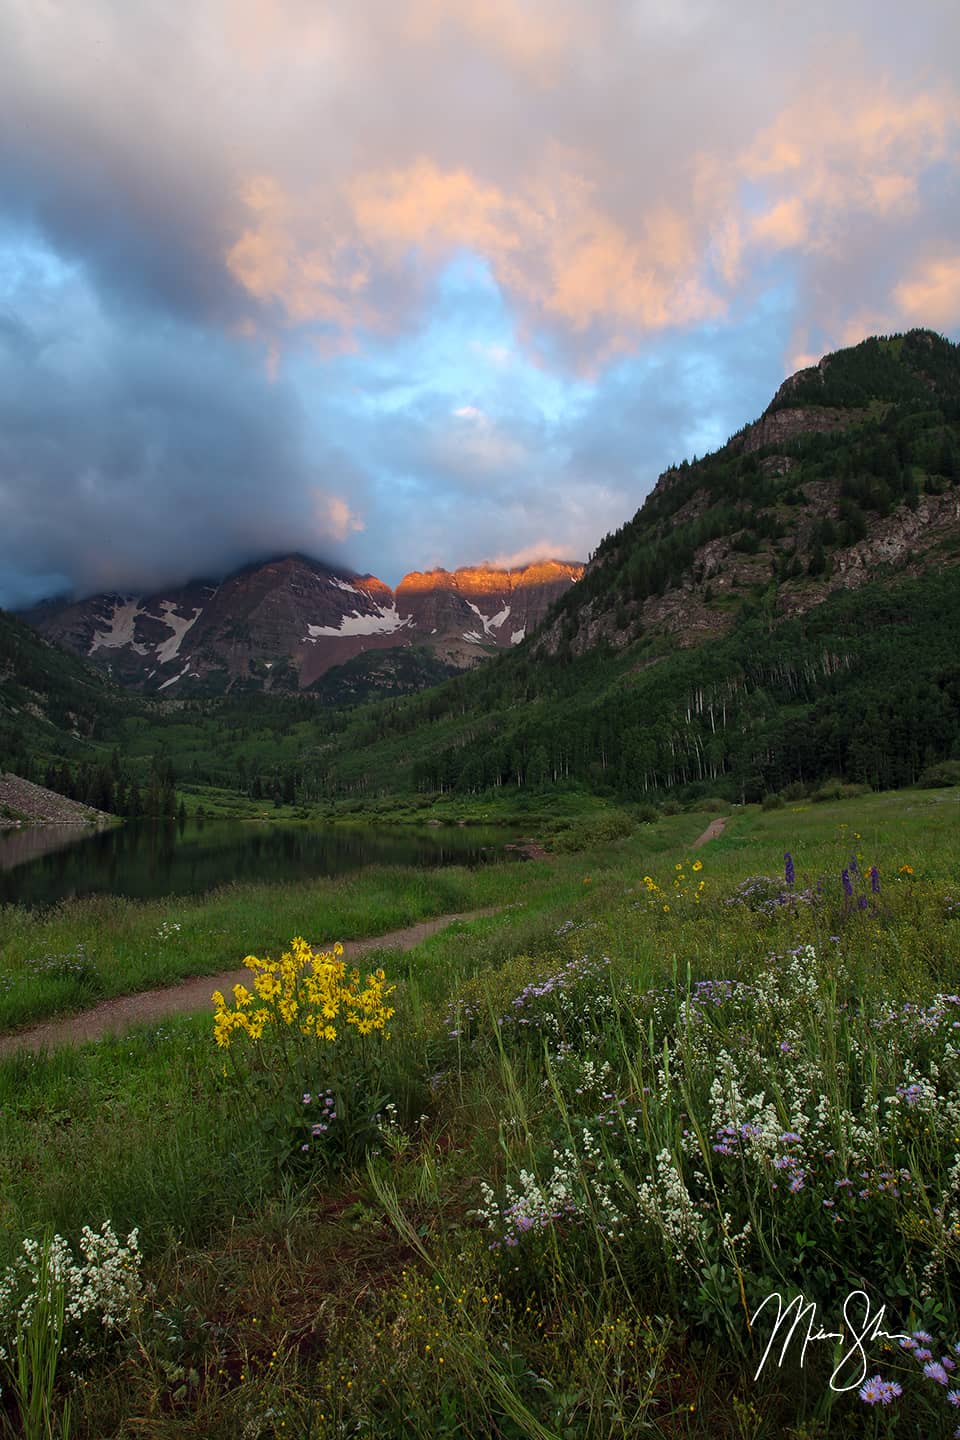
[283,624]
[481,607]
[779,427]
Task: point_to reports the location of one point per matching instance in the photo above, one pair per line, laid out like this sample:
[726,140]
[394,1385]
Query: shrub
[946,773]
[602,829]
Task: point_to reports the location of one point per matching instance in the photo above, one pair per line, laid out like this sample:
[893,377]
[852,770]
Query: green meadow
[551,1193]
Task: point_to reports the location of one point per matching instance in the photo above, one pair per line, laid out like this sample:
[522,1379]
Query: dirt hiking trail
[714,829]
[112,1017]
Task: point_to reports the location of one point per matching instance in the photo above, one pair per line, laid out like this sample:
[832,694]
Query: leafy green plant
[38,1338]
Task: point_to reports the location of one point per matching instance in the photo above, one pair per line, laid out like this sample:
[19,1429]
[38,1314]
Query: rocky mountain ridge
[283,624]
[851,474]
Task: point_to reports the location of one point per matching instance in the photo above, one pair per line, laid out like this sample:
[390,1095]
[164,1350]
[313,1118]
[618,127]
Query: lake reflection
[143,859]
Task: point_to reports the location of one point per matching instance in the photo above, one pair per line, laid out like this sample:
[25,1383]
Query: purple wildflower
[935,1371]
[846,882]
[879,1392]
[789,872]
[861,902]
[874,879]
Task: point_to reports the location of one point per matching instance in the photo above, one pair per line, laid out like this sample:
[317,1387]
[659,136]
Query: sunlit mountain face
[283,624]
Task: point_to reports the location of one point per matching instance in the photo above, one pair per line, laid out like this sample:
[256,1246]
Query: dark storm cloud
[201,199]
[131,458]
[104,152]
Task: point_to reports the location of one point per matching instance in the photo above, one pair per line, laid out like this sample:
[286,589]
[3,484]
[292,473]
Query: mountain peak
[281,623]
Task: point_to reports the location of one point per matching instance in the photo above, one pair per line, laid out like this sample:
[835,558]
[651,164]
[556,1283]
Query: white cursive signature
[801,1314]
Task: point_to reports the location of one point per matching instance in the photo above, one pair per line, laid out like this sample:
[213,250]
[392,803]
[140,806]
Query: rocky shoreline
[23,803]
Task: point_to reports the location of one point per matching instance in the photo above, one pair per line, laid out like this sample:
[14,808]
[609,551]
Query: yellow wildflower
[307,991]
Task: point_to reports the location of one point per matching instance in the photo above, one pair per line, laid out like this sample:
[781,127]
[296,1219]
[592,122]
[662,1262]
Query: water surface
[148,859]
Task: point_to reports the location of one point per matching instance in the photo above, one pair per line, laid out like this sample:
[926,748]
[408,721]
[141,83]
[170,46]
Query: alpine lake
[42,865]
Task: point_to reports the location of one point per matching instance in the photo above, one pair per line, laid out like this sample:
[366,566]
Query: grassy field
[549,1197]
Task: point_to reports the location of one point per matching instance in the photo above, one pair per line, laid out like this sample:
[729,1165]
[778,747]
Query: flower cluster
[567,1007]
[763,895]
[943,1372]
[579,1186]
[320,1112]
[73,964]
[103,1286]
[684,888]
[859,884]
[876,1391]
[306,991]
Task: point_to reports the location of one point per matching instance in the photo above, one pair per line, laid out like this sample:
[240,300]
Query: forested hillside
[852,470]
[49,700]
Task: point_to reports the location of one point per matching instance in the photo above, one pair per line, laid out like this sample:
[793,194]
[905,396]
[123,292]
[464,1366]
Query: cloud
[336,518]
[447,270]
[931,296]
[783,226]
[554,251]
[130,460]
[591,273]
[532,38]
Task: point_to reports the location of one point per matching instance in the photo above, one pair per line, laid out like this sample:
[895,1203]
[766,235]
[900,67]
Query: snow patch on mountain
[384,621]
[121,632]
[518,635]
[169,649]
[174,678]
[489,623]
